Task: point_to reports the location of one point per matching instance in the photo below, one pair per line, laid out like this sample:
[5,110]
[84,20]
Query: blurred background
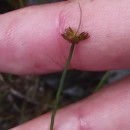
[25,97]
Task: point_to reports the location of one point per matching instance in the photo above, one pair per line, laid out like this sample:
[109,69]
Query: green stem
[21,3]
[104,78]
[61,86]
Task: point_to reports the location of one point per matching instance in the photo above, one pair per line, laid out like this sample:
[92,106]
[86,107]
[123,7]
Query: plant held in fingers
[73,38]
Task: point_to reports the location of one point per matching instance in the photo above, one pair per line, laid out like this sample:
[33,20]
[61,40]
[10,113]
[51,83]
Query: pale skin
[31,43]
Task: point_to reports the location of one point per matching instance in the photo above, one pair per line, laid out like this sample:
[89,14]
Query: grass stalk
[100,84]
[61,86]
[21,3]
[73,38]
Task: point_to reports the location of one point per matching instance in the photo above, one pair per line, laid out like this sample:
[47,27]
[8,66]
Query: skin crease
[31,42]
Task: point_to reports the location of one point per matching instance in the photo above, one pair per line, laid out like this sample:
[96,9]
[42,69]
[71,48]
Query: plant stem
[61,86]
[21,3]
[104,78]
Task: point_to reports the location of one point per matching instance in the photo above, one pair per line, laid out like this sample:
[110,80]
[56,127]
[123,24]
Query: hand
[31,42]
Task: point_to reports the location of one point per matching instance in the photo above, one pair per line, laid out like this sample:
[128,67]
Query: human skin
[31,43]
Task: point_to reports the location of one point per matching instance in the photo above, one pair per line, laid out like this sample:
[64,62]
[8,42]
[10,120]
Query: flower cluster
[72,37]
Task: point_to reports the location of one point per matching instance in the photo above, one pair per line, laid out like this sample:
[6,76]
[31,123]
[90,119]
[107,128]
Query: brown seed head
[72,37]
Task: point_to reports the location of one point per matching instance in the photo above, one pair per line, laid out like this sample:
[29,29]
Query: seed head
[72,37]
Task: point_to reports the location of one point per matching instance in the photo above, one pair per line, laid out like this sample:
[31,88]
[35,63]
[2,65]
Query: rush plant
[73,37]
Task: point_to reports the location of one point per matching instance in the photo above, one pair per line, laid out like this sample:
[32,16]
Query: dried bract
[72,36]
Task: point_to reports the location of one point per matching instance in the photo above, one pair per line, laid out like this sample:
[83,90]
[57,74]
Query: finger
[31,41]
[108,109]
